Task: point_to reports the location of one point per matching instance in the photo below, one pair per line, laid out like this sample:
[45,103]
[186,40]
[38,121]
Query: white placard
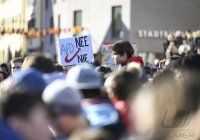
[75,50]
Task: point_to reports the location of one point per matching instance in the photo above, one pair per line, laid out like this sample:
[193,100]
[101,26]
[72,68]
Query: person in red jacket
[123,53]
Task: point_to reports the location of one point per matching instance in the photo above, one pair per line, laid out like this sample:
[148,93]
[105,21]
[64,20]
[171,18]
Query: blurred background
[28,26]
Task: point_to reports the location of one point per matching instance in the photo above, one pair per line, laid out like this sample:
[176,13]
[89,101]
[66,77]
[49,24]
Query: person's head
[122,51]
[170,37]
[123,85]
[194,34]
[85,78]
[27,115]
[4,67]
[16,64]
[65,106]
[39,61]
[197,33]
[189,35]
[29,80]
[178,33]
[173,49]
[135,68]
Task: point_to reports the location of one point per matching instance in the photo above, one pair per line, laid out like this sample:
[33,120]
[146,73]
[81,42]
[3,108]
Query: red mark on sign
[70,59]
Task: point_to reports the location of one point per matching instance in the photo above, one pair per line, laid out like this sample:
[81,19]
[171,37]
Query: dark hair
[189,31]
[17,60]
[96,63]
[94,93]
[122,47]
[124,84]
[58,68]
[103,69]
[20,104]
[5,66]
[41,62]
[4,74]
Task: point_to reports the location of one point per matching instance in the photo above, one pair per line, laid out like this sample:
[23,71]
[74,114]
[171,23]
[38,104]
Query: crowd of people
[40,100]
[178,45]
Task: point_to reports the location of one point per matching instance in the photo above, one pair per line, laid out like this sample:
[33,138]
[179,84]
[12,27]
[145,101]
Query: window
[51,26]
[46,4]
[116,21]
[31,2]
[77,18]
[58,21]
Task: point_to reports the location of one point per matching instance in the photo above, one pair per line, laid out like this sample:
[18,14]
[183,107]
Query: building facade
[12,22]
[152,20]
[143,22]
[104,20]
[40,18]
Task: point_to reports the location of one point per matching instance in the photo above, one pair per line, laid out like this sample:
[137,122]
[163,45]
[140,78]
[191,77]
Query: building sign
[154,33]
[75,50]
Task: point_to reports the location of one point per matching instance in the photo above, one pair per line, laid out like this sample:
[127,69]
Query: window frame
[116,32]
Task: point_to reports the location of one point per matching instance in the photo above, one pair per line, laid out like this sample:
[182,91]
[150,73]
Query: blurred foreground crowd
[41,100]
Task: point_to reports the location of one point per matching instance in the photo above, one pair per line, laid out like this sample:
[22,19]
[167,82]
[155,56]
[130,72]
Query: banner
[75,50]
[106,53]
[106,56]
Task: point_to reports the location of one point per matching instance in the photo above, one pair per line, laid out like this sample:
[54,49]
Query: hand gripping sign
[75,50]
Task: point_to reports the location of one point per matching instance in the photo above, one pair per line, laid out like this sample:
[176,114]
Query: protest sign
[75,50]
[106,53]
[107,56]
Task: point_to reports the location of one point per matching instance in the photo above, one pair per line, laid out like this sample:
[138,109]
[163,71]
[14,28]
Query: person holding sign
[123,53]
